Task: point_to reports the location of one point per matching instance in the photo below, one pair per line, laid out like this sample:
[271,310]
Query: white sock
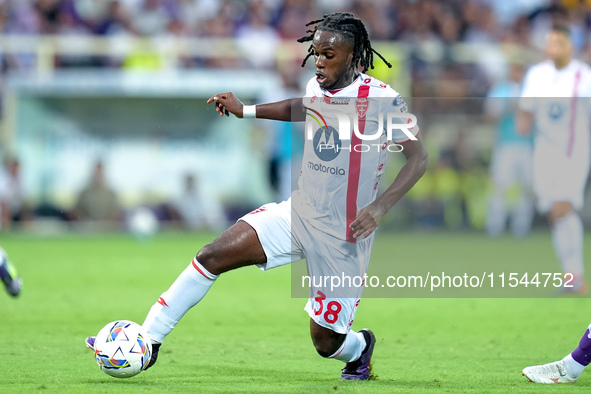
[186,291]
[573,368]
[567,236]
[351,348]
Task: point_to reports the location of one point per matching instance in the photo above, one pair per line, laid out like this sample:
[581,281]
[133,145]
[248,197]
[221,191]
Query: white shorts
[559,177]
[286,238]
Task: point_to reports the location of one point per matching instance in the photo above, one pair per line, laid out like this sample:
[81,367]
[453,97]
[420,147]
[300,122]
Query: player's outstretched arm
[417,159]
[290,110]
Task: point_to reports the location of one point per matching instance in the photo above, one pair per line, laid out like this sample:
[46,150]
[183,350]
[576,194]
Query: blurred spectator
[117,20]
[153,17]
[97,202]
[521,32]
[256,38]
[381,24]
[482,25]
[48,13]
[292,16]
[194,12]
[23,18]
[220,26]
[429,28]
[194,210]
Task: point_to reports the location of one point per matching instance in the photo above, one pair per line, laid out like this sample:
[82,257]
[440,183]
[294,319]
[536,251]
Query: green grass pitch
[249,335]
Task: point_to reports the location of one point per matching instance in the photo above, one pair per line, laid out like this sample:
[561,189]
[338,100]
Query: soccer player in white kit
[330,220]
[556,95]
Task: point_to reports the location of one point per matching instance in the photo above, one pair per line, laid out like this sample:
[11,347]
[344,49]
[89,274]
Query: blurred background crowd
[459,49]
[426,28]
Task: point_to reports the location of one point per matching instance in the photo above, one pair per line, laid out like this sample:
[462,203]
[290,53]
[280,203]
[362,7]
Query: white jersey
[559,100]
[339,175]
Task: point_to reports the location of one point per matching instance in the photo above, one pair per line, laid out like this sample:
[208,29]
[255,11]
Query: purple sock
[582,354]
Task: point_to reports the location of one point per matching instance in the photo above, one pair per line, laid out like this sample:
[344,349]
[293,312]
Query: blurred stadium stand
[126,82]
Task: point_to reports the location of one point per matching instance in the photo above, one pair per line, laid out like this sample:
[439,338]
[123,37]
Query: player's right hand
[226,103]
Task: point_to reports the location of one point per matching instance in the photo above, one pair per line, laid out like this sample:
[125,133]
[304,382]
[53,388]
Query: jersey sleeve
[527,101]
[393,103]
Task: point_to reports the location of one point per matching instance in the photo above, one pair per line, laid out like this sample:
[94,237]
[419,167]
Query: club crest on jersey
[361,105]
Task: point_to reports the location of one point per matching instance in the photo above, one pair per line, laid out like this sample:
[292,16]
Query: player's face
[558,47]
[333,57]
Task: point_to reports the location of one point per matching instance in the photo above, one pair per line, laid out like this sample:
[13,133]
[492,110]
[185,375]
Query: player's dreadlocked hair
[346,25]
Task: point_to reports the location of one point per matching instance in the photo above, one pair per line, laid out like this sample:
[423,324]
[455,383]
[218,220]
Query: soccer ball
[122,349]
[143,223]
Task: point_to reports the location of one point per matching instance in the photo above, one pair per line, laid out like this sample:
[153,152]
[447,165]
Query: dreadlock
[349,27]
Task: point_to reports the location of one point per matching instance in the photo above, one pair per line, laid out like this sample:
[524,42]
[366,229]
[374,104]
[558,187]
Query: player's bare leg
[353,348]
[326,341]
[237,247]
[567,236]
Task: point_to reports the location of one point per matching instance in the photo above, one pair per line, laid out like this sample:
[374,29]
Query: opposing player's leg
[566,370]
[567,237]
[9,275]
[559,183]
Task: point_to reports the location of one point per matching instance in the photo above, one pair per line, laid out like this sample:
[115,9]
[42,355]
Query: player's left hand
[367,220]
[226,104]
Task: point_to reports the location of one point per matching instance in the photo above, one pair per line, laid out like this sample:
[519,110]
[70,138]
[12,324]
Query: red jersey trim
[573,115]
[404,142]
[355,171]
[196,266]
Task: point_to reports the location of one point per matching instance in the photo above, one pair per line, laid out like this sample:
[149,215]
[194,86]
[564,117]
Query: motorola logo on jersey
[327,143]
[326,169]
